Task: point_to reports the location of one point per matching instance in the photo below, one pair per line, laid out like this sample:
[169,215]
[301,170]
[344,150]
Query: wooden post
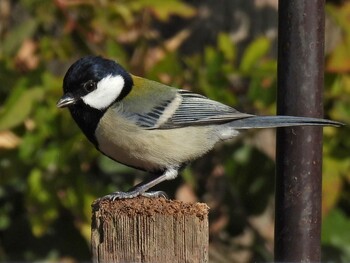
[149,230]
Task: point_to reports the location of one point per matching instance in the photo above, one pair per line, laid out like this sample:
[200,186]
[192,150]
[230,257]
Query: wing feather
[196,109]
[174,108]
[193,109]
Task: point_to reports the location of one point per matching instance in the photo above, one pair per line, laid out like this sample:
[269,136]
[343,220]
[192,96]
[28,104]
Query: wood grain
[149,230]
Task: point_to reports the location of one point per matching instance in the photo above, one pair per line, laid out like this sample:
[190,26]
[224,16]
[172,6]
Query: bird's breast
[151,150]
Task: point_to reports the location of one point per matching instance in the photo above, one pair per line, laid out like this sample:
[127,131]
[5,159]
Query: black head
[96,81]
[90,86]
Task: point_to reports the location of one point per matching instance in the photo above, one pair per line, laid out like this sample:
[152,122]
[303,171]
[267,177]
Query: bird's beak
[66,100]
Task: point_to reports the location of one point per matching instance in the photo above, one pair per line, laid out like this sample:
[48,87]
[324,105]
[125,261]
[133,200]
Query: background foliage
[50,174]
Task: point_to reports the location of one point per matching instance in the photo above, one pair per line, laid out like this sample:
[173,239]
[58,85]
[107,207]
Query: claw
[169,174]
[155,194]
[132,194]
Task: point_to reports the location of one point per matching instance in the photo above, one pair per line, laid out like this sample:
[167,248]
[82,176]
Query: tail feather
[280,121]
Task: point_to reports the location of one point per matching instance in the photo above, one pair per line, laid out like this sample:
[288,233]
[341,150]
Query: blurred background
[226,49]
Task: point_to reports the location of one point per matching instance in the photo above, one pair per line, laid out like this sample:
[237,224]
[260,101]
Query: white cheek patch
[107,91]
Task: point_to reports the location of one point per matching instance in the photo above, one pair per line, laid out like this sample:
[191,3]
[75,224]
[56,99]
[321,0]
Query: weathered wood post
[149,230]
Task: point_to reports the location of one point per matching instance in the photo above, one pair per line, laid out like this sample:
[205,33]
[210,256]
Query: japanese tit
[150,126]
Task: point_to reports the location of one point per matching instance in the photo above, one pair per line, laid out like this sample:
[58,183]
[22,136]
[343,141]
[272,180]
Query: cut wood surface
[149,230]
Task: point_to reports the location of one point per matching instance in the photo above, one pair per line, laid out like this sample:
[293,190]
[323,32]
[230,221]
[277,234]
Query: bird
[150,126]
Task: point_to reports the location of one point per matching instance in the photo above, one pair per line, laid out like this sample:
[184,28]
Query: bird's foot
[155,194]
[132,194]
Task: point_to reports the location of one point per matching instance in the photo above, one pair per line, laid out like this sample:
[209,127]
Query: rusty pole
[299,150]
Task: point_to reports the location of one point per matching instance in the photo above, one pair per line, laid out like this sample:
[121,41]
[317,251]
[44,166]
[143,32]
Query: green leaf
[18,106]
[17,35]
[227,47]
[335,232]
[339,59]
[40,197]
[340,14]
[164,9]
[109,166]
[253,54]
[331,183]
[169,65]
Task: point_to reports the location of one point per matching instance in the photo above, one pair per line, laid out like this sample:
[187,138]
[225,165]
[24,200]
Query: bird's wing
[195,109]
[174,108]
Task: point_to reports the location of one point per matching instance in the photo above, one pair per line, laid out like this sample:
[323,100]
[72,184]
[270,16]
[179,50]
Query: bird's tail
[279,121]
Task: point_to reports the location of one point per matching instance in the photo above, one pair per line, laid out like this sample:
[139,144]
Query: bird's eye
[90,86]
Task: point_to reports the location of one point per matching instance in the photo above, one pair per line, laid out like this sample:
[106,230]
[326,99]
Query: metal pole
[299,150]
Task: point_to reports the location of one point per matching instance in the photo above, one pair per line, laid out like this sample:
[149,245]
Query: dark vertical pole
[299,150]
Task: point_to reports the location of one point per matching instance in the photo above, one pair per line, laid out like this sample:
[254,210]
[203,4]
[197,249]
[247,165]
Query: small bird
[150,126]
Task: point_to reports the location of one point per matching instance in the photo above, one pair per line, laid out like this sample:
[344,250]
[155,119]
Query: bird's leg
[141,189]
